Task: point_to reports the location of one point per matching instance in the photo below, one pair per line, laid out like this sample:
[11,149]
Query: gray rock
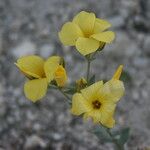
[46,50]
[3,108]
[57,136]
[117,21]
[25,48]
[147,45]
[1,43]
[2,102]
[123,46]
[140,62]
[34,141]
[1,89]
[148,6]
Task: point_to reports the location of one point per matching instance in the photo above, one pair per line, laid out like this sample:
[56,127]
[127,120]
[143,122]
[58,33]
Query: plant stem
[66,96]
[119,147]
[60,89]
[88,68]
[64,93]
[94,54]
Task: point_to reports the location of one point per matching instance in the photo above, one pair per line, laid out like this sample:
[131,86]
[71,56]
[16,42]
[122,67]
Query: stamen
[96,104]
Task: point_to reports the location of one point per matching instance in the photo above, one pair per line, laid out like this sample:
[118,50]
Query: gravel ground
[31,27]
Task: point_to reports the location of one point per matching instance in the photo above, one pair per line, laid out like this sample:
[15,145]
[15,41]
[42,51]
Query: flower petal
[103,115]
[106,37]
[60,76]
[79,105]
[31,66]
[110,123]
[69,33]
[87,45]
[90,92]
[112,91]
[101,25]
[35,89]
[95,115]
[118,73]
[107,112]
[51,66]
[85,21]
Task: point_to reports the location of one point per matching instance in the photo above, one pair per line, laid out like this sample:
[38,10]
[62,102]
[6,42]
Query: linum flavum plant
[87,98]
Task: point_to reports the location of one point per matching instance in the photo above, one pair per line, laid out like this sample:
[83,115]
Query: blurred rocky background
[31,27]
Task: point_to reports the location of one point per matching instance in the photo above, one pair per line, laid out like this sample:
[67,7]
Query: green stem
[94,54]
[60,89]
[52,86]
[119,147]
[88,69]
[64,93]
[89,59]
[56,87]
[66,96]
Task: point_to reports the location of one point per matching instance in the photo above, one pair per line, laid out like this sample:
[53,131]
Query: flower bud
[81,84]
[118,72]
[60,76]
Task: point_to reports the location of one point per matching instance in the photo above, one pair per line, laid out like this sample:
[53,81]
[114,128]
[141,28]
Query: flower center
[88,34]
[96,104]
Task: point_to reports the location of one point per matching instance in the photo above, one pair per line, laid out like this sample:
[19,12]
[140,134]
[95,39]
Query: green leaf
[121,136]
[70,91]
[91,80]
[102,134]
[126,77]
[124,135]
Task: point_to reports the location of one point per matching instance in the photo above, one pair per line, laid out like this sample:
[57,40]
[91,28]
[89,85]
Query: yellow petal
[87,45]
[31,66]
[101,25]
[90,93]
[69,33]
[79,105]
[106,37]
[85,116]
[60,76]
[109,123]
[107,111]
[112,91]
[35,89]
[51,66]
[101,115]
[95,115]
[118,73]
[85,21]
[108,107]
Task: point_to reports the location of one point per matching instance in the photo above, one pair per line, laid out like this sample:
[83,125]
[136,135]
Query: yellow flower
[40,73]
[60,76]
[86,32]
[98,101]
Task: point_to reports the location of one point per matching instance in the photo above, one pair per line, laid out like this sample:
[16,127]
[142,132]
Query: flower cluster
[40,74]
[97,100]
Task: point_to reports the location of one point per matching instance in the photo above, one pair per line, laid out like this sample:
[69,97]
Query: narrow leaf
[102,134]
[91,80]
[124,135]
